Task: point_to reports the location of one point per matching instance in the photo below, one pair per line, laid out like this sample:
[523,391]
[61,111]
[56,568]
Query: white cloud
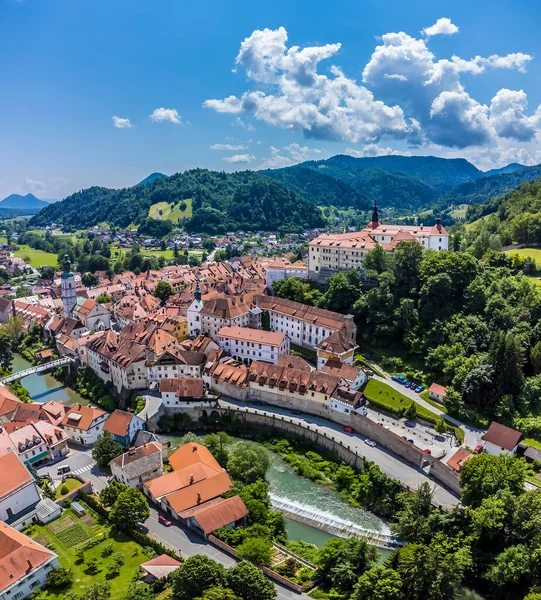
[508,118]
[32,185]
[239,158]
[375,150]
[442,26]
[228,147]
[287,156]
[300,153]
[300,98]
[165,114]
[121,123]
[238,122]
[477,65]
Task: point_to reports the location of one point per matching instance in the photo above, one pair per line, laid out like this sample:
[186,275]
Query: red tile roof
[81,417]
[183,387]
[502,436]
[220,514]
[459,458]
[14,474]
[259,336]
[438,389]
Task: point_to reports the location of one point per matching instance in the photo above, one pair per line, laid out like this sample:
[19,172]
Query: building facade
[247,345]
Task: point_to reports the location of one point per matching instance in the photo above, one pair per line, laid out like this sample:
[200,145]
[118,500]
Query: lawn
[385,396]
[70,483]
[534,253]
[169,254]
[67,533]
[459,212]
[37,258]
[164,210]
[410,362]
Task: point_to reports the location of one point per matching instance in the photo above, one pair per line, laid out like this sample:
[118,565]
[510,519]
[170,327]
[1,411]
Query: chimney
[198,498]
[194,448]
[192,479]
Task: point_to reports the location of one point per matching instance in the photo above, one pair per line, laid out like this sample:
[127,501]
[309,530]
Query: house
[138,465]
[146,437]
[175,362]
[282,269]
[18,490]
[185,392]
[123,426]
[353,376]
[160,567]
[83,424]
[227,311]
[55,438]
[500,439]
[8,404]
[305,325]
[337,346]
[29,444]
[459,458]
[94,316]
[197,482]
[24,564]
[247,345]
[437,392]
[5,310]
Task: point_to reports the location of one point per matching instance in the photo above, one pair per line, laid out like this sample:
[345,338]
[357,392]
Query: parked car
[63,469]
[370,373]
[419,388]
[367,355]
[411,441]
[479,448]
[348,429]
[407,384]
[427,451]
[164,521]
[370,443]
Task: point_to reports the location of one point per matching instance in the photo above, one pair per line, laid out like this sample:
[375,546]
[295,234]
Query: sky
[96,92]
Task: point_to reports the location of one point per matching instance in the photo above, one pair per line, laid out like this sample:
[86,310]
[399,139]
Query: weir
[310,515]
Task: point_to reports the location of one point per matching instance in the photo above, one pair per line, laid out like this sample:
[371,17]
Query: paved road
[390,463]
[187,542]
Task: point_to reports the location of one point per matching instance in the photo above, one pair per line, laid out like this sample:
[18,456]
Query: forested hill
[220,202]
[476,192]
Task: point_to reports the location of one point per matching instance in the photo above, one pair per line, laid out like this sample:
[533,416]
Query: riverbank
[43,387]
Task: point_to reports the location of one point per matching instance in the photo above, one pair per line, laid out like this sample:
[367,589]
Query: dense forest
[221,202]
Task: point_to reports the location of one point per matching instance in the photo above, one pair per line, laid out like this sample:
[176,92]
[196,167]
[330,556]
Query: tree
[248,462]
[378,584]
[130,508]
[411,411]
[217,444]
[163,290]
[59,578]
[376,260]
[6,350]
[249,583]
[343,290]
[196,575]
[217,593]
[103,298]
[412,518]
[484,475]
[14,328]
[89,280]
[105,449]
[98,590]
[256,549]
[441,426]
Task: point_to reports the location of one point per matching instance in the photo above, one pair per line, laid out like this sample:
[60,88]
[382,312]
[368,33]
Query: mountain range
[287,198]
[16,201]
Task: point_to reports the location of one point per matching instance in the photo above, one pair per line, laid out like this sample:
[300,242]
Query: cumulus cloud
[239,158]
[228,147]
[165,114]
[406,93]
[442,26]
[288,155]
[238,122]
[121,123]
[32,185]
[375,150]
[298,97]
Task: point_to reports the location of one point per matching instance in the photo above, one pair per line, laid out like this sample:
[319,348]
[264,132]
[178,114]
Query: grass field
[459,212]
[164,210]
[70,483]
[534,253]
[37,258]
[386,397]
[70,529]
[169,254]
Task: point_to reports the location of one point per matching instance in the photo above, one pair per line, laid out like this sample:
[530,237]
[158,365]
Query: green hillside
[173,211]
[220,202]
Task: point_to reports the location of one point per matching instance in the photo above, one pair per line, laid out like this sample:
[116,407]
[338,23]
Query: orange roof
[220,514]
[200,492]
[183,387]
[177,480]
[438,389]
[81,417]
[459,458]
[117,422]
[14,474]
[8,401]
[19,556]
[272,338]
[191,454]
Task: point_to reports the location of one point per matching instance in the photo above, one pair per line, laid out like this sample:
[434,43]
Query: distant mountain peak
[151,177]
[17,201]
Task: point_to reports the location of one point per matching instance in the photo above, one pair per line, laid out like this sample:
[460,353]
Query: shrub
[64,489]
[59,578]
[107,550]
[92,566]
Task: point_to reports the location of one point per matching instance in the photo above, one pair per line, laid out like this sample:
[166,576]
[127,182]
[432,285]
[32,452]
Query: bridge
[60,362]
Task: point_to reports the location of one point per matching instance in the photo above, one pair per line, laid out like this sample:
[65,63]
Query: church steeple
[375,217]
[69,292]
[197,294]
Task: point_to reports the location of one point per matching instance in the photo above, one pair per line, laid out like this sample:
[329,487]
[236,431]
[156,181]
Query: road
[184,540]
[390,463]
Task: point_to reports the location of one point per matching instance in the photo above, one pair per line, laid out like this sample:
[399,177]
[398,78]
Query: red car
[164,521]
[427,451]
[348,429]
[479,448]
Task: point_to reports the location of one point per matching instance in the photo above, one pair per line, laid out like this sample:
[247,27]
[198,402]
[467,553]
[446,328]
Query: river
[44,387]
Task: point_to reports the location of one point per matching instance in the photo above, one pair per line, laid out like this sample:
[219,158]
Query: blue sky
[311,79]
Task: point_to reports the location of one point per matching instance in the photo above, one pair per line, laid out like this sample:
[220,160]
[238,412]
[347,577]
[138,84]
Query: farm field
[534,253]
[37,258]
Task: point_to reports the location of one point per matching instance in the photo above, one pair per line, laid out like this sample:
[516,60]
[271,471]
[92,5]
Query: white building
[24,564]
[185,392]
[305,325]
[69,291]
[247,345]
[18,490]
[94,316]
[193,313]
[174,363]
[282,269]
[500,439]
[83,424]
[228,311]
[138,465]
[352,376]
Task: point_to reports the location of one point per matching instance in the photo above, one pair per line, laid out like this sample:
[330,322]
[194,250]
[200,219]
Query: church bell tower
[69,293]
